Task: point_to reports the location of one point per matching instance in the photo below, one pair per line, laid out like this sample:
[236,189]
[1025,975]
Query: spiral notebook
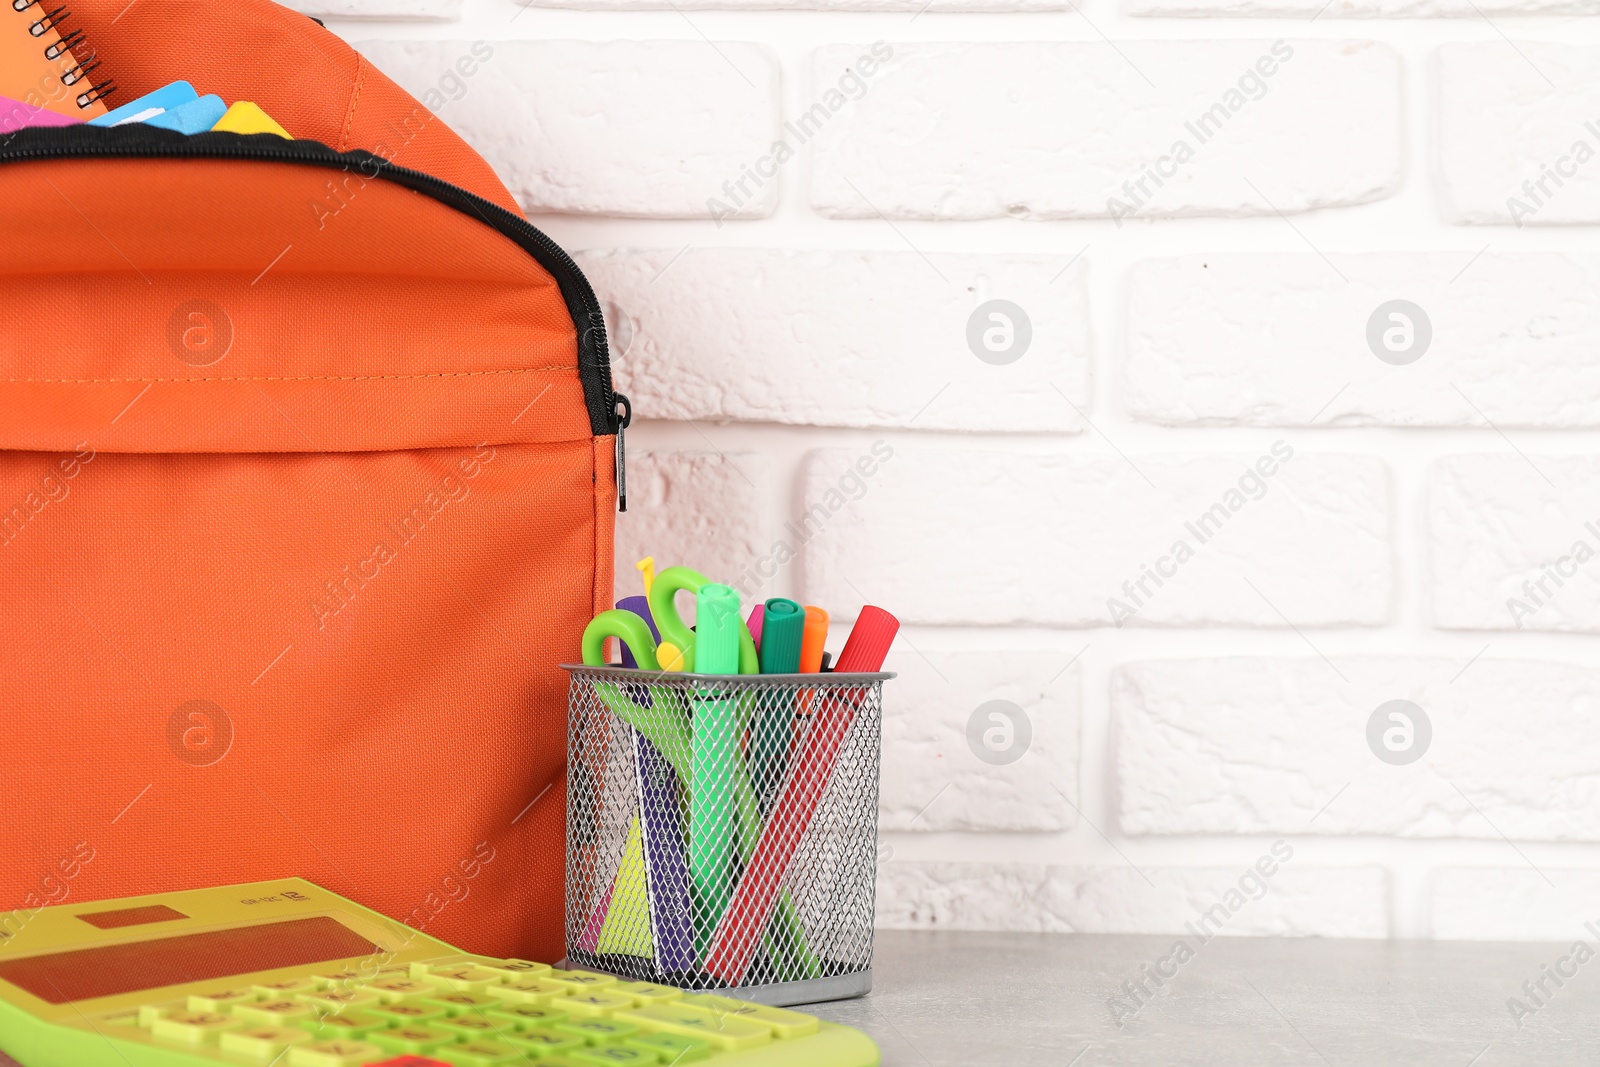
[46,63]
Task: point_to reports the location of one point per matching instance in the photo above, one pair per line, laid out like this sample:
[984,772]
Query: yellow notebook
[39,62]
[245,117]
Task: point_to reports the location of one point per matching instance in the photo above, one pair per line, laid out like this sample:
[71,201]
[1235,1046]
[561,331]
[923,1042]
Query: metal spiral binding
[68,41]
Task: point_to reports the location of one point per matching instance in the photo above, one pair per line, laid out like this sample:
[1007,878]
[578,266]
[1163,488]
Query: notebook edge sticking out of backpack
[307,485]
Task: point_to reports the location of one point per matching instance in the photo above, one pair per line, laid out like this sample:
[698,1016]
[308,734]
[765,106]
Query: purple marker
[640,606]
[666,868]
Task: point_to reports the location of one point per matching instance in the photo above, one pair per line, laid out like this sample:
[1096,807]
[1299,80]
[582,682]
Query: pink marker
[758,619]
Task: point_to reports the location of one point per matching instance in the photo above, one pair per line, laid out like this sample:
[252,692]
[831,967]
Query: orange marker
[812,640]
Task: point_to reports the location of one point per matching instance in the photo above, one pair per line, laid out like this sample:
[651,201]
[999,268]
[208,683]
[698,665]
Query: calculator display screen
[111,970]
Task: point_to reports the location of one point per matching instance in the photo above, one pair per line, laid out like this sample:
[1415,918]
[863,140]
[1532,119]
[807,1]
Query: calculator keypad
[459,1011]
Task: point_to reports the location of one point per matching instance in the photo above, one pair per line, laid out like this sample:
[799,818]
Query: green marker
[714,759]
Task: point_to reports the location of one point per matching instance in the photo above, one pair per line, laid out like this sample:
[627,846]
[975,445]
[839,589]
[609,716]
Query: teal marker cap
[781,631]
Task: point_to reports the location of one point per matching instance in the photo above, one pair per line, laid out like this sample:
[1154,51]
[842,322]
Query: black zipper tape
[138,141]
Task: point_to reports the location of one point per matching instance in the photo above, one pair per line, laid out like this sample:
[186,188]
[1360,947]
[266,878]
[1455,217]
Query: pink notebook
[15,115]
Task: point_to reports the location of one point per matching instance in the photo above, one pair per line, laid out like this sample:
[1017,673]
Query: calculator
[287,974]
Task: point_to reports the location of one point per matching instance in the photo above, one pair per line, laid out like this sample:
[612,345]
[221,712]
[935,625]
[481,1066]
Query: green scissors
[664,609]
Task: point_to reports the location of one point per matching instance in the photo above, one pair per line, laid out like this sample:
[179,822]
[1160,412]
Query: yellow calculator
[287,974]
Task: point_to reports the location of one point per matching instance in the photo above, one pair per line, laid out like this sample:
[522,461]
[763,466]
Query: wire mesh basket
[722,829]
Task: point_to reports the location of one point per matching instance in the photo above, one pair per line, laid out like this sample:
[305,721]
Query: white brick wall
[642,128]
[931,780]
[1509,116]
[1313,539]
[1052,131]
[1514,903]
[1280,339]
[1266,746]
[1326,902]
[799,214]
[1358,9]
[398,10]
[1514,541]
[697,509]
[843,336]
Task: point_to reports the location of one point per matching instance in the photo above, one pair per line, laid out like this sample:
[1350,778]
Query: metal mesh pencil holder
[722,829]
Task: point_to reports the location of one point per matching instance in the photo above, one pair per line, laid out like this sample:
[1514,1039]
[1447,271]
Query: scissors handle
[626,627]
[664,610]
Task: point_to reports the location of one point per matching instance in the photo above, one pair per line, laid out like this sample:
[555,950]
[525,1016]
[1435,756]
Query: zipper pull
[622,413]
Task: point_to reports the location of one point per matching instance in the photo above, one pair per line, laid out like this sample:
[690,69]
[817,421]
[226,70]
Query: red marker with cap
[737,934]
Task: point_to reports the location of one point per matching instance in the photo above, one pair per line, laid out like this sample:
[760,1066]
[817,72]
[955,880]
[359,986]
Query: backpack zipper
[609,412]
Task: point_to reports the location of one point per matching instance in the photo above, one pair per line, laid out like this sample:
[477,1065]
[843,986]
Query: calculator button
[345,979]
[418,1040]
[273,1012]
[333,1054]
[392,990]
[783,1024]
[580,980]
[354,1025]
[463,977]
[532,991]
[457,1003]
[523,1016]
[194,1027]
[481,1052]
[597,1004]
[539,1043]
[149,1013]
[333,1001]
[646,992]
[408,1014]
[516,968]
[262,1042]
[597,1031]
[473,1026]
[670,1048]
[222,1000]
[509,969]
[726,1032]
[285,989]
[614,1056]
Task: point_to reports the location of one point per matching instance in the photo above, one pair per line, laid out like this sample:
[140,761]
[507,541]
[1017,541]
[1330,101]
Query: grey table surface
[1041,999]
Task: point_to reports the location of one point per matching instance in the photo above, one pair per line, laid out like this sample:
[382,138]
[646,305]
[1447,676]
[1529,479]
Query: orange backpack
[308,462]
